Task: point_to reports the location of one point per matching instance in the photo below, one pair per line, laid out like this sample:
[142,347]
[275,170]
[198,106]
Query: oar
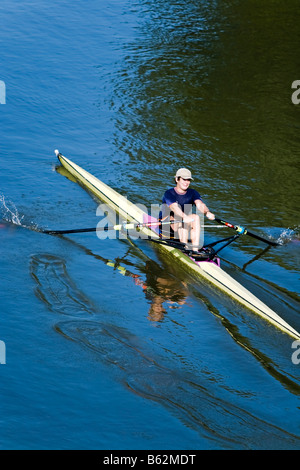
[242,230]
[124,226]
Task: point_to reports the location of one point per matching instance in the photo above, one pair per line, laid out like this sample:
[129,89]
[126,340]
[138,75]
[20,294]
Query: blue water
[130,91]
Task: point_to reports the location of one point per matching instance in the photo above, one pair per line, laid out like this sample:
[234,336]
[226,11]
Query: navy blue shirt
[185,201]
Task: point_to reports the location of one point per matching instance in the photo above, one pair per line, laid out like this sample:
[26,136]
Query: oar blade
[253,235]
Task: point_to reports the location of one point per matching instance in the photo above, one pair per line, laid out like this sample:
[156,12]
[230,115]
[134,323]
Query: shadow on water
[195,399]
[228,426]
[55,288]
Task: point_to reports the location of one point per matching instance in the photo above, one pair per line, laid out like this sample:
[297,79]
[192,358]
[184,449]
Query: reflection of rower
[159,289]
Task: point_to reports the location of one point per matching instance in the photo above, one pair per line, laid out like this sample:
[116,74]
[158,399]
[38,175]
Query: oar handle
[220,221]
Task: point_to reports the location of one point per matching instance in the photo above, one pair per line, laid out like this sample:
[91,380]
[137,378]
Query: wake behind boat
[207,267]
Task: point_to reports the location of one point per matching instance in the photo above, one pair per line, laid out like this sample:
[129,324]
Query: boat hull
[210,271]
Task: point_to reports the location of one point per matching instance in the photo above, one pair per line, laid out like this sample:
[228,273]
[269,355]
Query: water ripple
[189,397]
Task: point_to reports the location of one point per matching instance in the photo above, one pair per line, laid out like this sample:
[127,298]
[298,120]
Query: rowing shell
[210,270]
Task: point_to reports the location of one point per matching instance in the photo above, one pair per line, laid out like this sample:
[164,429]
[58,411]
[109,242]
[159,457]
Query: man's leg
[195,232]
[194,229]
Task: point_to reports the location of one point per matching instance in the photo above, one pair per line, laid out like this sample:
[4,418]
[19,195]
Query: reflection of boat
[208,269]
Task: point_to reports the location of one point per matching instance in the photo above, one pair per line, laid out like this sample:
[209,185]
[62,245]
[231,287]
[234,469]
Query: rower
[178,202]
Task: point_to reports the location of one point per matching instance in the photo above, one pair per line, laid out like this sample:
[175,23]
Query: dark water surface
[108,345]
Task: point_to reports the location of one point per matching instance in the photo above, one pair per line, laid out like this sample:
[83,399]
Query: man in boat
[178,202]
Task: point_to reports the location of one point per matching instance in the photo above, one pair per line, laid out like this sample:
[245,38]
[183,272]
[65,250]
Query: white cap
[184,173]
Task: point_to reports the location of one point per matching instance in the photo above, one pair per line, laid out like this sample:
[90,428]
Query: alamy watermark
[296,354]
[2,353]
[153,221]
[2,92]
[296,95]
